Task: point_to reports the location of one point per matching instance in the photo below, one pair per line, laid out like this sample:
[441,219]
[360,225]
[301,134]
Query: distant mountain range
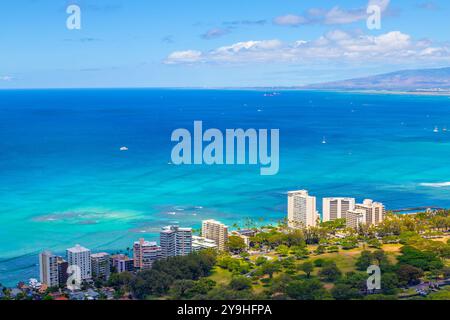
[426,80]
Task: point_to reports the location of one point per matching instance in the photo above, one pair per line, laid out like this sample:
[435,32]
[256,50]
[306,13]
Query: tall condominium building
[214,230]
[121,263]
[336,208]
[62,271]
[302,211]
[145,253]
[375,211]
[80,257]
[355,218]
[175,241]
[101,265]
[48,268]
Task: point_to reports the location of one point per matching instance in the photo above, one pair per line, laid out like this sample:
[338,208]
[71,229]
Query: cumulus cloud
[337,45]
[187,56]
[333,16]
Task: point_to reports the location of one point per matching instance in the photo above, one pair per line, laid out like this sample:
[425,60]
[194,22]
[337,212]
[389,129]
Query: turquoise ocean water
[63,179]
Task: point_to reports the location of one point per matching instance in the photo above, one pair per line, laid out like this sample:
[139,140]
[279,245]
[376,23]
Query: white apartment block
[145,253]
[175,241]
[336,208]
[48,269]
[355,218]
[81,257]
[214,230]
[302,210]
[375,211]
[200,243]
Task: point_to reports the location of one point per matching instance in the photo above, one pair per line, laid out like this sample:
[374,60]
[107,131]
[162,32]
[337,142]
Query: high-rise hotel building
[355,218]
[336,208]
[214,230]
[375,211]
[366,213]
[48,269]
[80,257]
[302,210]
[175,241]
[145,253]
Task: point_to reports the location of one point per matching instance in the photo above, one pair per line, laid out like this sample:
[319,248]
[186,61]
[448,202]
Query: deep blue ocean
[63,179]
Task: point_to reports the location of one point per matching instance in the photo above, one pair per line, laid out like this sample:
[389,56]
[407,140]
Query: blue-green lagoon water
[63,179]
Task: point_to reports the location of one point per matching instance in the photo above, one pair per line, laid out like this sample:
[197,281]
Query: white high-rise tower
[302,211]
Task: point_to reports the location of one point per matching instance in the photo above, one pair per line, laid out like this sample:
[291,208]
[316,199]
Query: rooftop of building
[146,243]
[121,257]
[246,232]
[299,192]
[169,229]
[100,255]
[214,222]
[78,249]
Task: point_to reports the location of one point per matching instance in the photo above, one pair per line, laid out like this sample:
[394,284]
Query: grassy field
[221,276]
[344,259]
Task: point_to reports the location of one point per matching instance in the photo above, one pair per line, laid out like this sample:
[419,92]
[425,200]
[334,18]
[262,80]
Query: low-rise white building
[200,243]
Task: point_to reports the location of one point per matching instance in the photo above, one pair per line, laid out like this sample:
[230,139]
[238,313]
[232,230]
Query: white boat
[324,141]
[436,129]
[123,149]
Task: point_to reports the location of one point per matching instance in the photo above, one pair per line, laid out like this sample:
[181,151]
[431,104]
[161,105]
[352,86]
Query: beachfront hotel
[302,211]
[366,213]
[375,211]
[145,253]
[175,241]
[336,208]
[48,269]
[355,218]
[214,230]
[80,257]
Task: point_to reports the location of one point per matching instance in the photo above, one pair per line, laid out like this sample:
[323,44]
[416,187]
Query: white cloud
[188,56]
[333,16]
[290,20]
[335,46]
[340,16]
[6,78]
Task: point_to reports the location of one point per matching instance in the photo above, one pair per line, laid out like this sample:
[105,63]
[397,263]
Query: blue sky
[179,43]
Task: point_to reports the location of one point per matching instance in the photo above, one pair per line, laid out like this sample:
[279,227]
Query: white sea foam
[436,185]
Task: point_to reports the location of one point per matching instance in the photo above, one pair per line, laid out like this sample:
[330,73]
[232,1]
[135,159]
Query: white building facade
[175,241]
[81,257]
[336,208]
[302,210]
[214,230]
